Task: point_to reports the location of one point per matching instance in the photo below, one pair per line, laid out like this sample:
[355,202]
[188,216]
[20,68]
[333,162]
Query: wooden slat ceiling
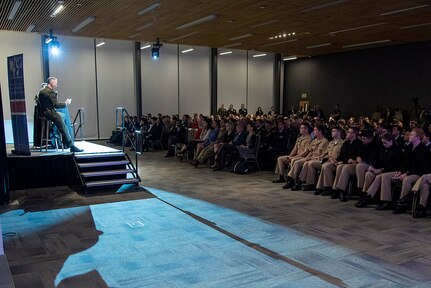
[312,21]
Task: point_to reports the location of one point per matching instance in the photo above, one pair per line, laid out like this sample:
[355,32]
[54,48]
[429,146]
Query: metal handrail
[81,116]
[124,132]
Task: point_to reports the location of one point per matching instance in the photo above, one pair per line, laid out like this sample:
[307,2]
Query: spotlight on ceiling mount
[155,51]
[55,47]
[52,43]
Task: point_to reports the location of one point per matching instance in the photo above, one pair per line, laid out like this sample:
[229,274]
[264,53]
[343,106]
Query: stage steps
[102,170]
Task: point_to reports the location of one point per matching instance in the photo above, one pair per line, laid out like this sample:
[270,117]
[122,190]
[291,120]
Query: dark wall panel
[362,80]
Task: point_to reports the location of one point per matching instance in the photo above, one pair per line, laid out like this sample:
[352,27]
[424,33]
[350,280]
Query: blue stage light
[54,47]
[155,53]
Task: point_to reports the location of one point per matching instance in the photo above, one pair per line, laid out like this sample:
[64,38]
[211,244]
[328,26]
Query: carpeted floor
[199,228]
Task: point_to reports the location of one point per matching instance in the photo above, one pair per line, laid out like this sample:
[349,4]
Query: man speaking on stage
[48,102]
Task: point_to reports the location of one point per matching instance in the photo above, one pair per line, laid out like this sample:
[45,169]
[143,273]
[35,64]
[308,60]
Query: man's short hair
[355,130]
[50,79]
[321,128]
[419,132]
[388,137]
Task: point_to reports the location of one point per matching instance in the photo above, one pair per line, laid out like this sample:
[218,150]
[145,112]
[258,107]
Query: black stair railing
[120,114]
[78,123]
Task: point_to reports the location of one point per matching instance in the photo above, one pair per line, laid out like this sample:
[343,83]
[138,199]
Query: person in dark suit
[48,101]
[222,112]
[398,138]
[416,164]
[154,132]
[229,148]
[389,158]
[231,110]
[243,111]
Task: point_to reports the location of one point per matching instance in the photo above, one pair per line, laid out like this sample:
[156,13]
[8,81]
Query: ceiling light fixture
[324,5]
[241,37]
[417,25]
[357,28]
[14,10]
[211,17]
[226,53]
[259,55]
[281,42]
[282,35]
[319,45]
[84,23]
[101,43]
[232,45]
[367,43]
[145,26]
[57,10]
[149,8]
[264,24]
[146,46]
[288,58]
[30,28]
[404,10]
[183,36]
[134,35]
[187,50]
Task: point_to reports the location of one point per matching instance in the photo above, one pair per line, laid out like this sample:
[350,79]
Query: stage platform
[47,169]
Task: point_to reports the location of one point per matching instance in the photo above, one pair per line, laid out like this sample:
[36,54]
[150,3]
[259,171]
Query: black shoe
[297,187]
[309,187]
[363,202]
[420,212]
[318,192]
[280,179]
[343,196]
[400,208]
[384,206]
[326,192]
[335,194]
[75,149]
[362,195]
[288,185]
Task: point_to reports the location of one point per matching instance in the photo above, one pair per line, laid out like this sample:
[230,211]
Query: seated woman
[209,151]
[227,138]
[212,137]
[205,131]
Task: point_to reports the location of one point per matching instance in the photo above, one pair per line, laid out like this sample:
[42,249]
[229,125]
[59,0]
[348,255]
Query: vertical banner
[17,104]
[4,175]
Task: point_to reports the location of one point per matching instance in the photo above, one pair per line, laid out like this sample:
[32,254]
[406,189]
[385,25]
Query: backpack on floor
[240,167]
